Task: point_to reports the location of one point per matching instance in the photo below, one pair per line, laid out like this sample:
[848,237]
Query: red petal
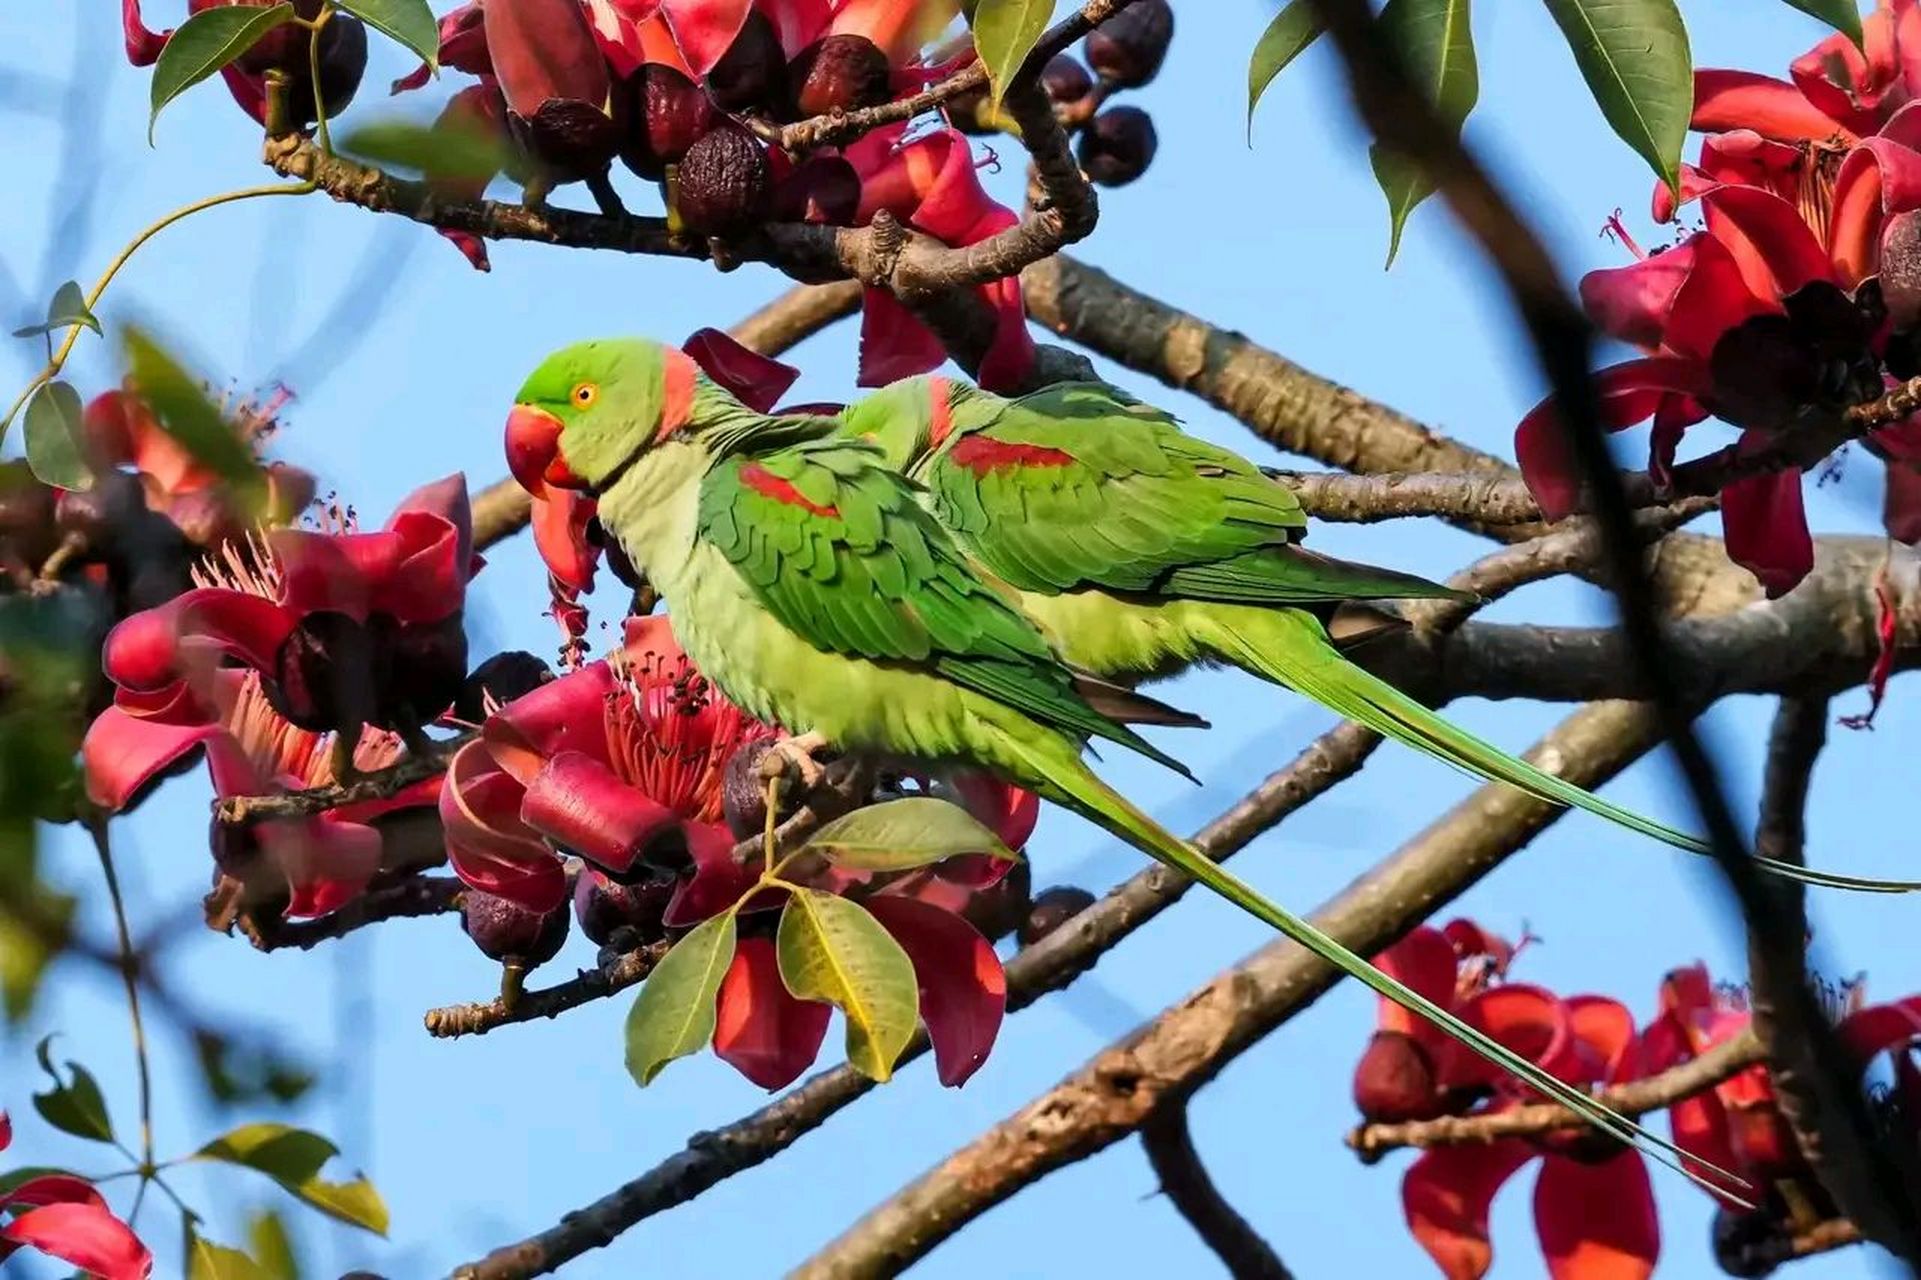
[1629,393]
[899,27]
[618,34]
[1879,177]
[1010,811]
[53,1188]
[1009,362]
[1840,83]
[123,753]
[568,714]
[186,637]
[1446,1195]
[1771,243]
[963,992]
[760,1030]
[757,381]
[1715,297]
[1470,939]
[1699,1126]
[435,555]
[1743,100]
[1766,529]
[1671,422]
[705,28]
[894,344]
[6,1131]
[1604,1029]
[542,51]
[1529,1020]
[1881,1028]
[1426,961]
[800,22]
[1597,1221]
[718,879]
[1632,302]
[582,805]
[560,535]
[327,862]
[85,1235]
[143,45]
[487,843]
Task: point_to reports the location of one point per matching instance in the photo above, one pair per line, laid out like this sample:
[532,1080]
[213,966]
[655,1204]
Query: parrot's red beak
[533,451]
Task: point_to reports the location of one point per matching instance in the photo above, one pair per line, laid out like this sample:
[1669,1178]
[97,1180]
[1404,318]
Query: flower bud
[666,114]
[751,76]
[1050,910]
[725,187]
[1751,1242]
[503,677]
[1117,146]
[510,933]
[1127,50]
[1065,80]
[1395,1081]
[838,73]
[612,914]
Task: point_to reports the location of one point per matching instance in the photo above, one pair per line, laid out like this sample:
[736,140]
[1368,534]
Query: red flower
[343,60]
[561,517]
[345,629]
[1593,1209]
[932,184]
[702,31]
[63,1217]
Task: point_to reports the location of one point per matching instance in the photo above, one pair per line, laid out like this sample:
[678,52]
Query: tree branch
[1655,1093]
[1170,1149]
[377,784]
[418,896]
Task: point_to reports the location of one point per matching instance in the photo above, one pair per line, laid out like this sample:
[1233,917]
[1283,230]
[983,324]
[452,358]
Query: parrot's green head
[590,410]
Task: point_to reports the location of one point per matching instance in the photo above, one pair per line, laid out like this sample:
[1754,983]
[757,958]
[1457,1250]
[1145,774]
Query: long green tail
[1059,775]
[1289,647]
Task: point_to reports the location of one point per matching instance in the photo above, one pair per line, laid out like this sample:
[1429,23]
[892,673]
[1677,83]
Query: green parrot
[807,581]
[1140,550]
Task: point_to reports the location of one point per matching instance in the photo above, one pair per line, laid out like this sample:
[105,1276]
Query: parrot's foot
[793,758]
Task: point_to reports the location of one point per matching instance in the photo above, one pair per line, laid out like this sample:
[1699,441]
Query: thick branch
[419,896]
[1170,1149]
[1656,1093]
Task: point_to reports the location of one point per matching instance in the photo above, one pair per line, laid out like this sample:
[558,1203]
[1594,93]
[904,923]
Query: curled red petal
[1470,939]
[1009,362]
[1632,302]
[894,344]
[463,47]
[1772,244]
[1880,1028]
[327,862]
[1604,1030]
[1714,298]
[186,637]
[143,45]
[1531,1021]
[488,845]
[705,28]
[1597,1221]
[1629,393]
[760,1029]
[651,639]
[718,879]
[1672,419]
[1699,1126]
[899,27]
[568,714]
[1744,100]
[1765,527]
[471,247]
[53,1188]
[1426,961]
[799,23]
[757,381]
[121,754]
[582,805]
[434,557]
[1841,83]
[88,1236]
[1880,177]
[1446,1195]
[544,51]
[963,991]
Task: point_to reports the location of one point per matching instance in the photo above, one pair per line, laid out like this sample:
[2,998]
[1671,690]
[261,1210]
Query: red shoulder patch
[767,484]
[981,455]
[941,412]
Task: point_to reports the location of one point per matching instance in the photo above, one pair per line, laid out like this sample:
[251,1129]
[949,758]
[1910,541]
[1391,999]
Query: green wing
[839,549]
[1079,486]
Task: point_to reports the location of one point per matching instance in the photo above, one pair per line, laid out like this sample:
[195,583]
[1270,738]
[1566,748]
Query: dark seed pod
[751,76]
[725,187]
[1751,1243]
[606,908]
[505,676]
[343,61]
[743,792]
[838,73]
[1395,1081]
[1117,146]
[824,190]
[1901,269]
[282,49]
[323,675]
[1065,80]
[968,112]
[509,932]
[1052,909]
[1127,50]
[666,114]
[425,665]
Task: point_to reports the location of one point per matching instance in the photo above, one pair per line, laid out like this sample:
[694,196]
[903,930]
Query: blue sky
[405,361]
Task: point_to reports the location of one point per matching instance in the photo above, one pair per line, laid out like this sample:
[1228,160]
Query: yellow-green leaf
[293,1158]
[674,1014]
[833,950]
[68,308]
[901,834]
[204,43]
[54,430]
[1634,56]
[1294,28]
[410,22]
[272,1247]
[184,412]
[78,1108]
[209,1261]
[445,151]
[1437,47]
[1842,15]
[1005,32]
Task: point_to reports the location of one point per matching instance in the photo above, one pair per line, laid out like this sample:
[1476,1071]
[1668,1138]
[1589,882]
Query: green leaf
[1286,38]
[1437,46]
[29,945]
[831,949]
[293,1158]
[203,44]
[445,151]
[272,1247]
[68,308]
[409,21]
[674,1014]
[902,834]
[1005,32]
[184,412]
[209,1261]
[78,1108]
[1842,15]
[55,448]
[1634,56]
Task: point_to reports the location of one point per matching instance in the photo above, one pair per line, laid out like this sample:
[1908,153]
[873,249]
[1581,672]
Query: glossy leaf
[1843,15]
[448,154]
[410,22]
[1634,56]
[1437,46]
[674,1014]
[272,1247]
[1005,32]
[54,429]
[203,44]
[68,308]
[834,950]
[78,1108]
[1294,28]
[184,412]
[293,1158]
[902,834]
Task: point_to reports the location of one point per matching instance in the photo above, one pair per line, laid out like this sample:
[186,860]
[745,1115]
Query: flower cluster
[286,50]
[64,1217]
[1792,304]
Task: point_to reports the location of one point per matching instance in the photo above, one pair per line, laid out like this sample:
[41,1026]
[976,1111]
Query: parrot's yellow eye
[585,394]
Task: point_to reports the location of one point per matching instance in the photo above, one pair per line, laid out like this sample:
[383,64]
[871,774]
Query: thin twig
[130,977]
[379,784]
[416,896]
[1170,1150]
[597,983]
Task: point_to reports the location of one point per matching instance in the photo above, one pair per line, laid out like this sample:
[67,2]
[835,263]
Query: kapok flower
[1593,1208]
[343,59]
[64,1217]
[345,629]
[932,185]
